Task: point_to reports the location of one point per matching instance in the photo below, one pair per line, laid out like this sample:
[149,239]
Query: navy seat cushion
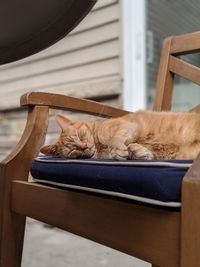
[153,182]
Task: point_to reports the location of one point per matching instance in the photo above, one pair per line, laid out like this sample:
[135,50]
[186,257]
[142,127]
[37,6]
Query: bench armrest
[70,103]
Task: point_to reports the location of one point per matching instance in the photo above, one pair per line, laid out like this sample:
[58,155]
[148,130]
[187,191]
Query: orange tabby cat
[139,135]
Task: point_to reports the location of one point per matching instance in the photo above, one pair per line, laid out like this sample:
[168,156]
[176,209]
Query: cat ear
[48,150]
[63,122]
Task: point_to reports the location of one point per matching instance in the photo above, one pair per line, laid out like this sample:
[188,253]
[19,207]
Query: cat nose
[84,146]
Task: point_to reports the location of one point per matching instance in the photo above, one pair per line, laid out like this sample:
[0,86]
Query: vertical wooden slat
[165,79]
[190,217]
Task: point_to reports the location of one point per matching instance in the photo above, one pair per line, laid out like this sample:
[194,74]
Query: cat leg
[119,152]
[137,151]
[116,138]
[121,140]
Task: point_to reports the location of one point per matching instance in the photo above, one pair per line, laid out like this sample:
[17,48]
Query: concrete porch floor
[50,247]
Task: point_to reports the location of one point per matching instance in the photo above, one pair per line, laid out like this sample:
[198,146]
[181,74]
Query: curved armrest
[17,164]
[31,140]
[70,103]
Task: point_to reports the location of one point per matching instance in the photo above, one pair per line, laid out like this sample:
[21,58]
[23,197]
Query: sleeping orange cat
[139,135]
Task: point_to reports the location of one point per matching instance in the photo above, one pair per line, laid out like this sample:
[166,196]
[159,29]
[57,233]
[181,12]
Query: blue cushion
[154,182]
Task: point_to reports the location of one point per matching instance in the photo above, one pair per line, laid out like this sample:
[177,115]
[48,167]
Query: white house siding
[86,63]
[165,18]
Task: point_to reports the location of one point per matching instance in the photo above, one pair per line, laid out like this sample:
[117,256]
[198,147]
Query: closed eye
[103,146]
[71,145]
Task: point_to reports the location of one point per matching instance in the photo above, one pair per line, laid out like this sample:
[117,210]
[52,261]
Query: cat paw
[119,153]
[137,151]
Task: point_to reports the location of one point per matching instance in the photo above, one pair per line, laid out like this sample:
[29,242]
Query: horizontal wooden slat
[195,109]
[147,233]
[186,43]
[66,61]
[72,43]
[184,69]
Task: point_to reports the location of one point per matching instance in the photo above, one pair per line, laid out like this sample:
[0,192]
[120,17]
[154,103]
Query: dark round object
[29,26]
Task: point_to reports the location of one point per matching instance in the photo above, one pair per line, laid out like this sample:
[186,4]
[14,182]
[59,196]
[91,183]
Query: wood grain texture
[195,109]
[184,69]
[165,79]
[162,237]
[190,217]
[70,103]
[185,43]
[147,233]
[16,166]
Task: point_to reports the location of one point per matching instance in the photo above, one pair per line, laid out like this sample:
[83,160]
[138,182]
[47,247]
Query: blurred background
[112,57]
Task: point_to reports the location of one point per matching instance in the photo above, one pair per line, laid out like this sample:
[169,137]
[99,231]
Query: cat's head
[76,140]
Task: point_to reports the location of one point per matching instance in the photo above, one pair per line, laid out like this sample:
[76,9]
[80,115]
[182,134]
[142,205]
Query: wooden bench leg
[11,240]
[12,224]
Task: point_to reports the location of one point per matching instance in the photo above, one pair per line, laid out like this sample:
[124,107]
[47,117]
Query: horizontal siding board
[86,88]
[97,69]
[98,18]
[72,43]
[106,87]
[89,88]
[85,63]
[66,61]
[103,4]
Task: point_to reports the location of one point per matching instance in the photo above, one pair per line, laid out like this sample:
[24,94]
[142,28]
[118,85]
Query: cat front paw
[137,151]
[119,153]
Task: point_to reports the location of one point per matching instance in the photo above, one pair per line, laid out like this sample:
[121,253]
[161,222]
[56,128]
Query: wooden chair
[163,237]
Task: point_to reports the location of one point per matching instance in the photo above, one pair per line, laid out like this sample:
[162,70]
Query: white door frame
[134,54]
